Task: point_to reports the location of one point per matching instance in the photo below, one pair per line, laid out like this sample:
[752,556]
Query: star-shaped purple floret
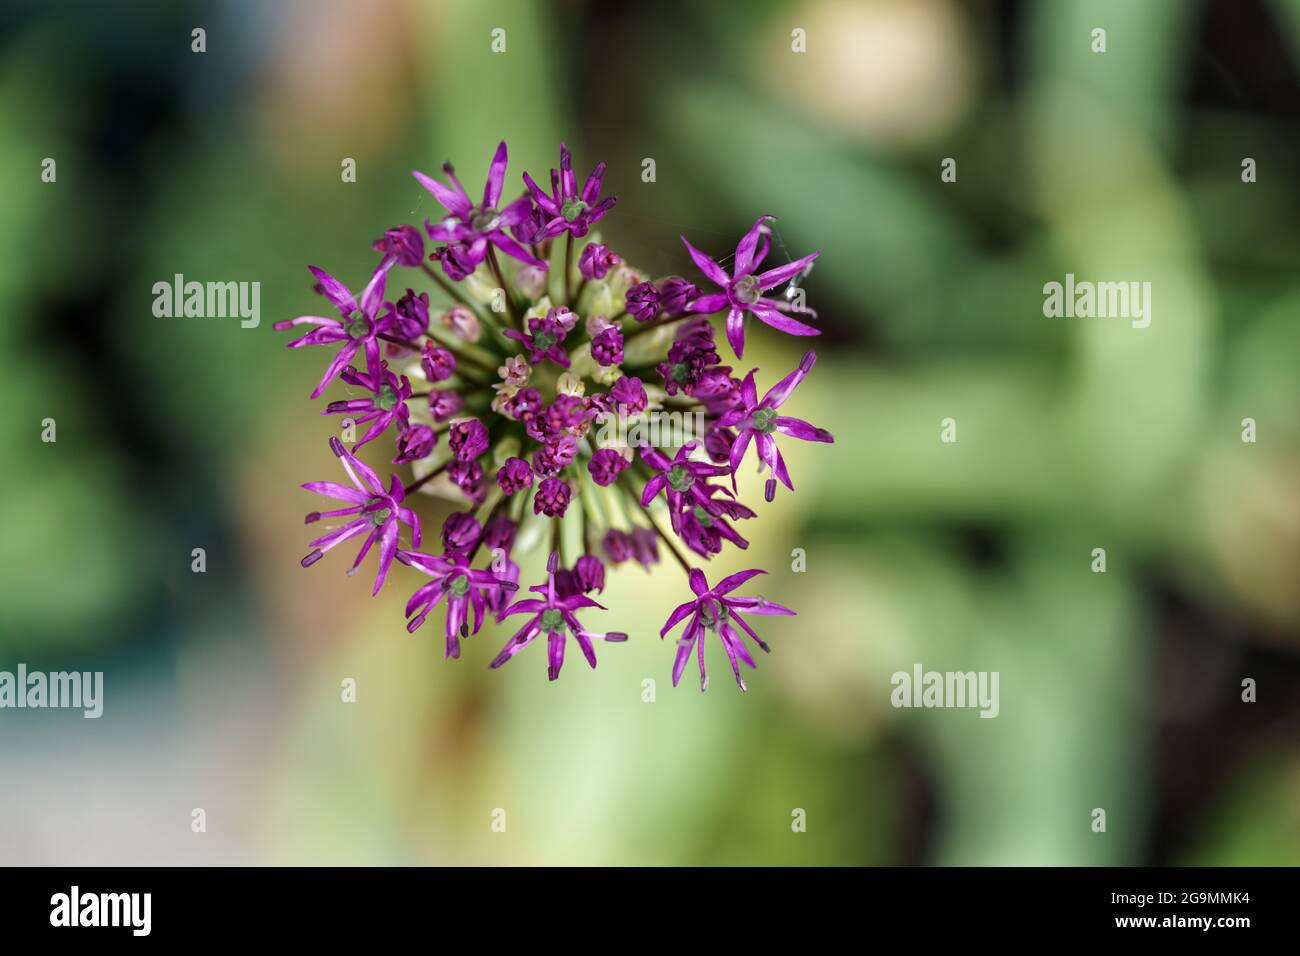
[713,610]
[472,228]
[464,588]
[385,404]
[565,209]
[358,328]
[758,421]
[378,511]
[742,291]
[553,616]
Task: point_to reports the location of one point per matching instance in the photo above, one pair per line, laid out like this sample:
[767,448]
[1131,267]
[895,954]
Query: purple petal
[706,265]
[588,651]
[514,250]
[738,448]
[778,393]
[542,199]
[652,488]
[774,277]
[387,548]
[335,367]
[372,297]
[736,331]
[745,249]
[678,615]
[683,655]
[452,200]
[338,492]
[339,535]
[707,304]
[784,323]
[568,182]
[592,188]
[335,291]
[554,653]
[798,428]
[496,178]
[730,583]
[759,606]
[517,211]
[699,584]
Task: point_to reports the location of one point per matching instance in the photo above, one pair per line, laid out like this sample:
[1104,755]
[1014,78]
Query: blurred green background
[1118,690]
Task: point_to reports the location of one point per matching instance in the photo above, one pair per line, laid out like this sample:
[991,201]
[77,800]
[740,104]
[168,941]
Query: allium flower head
[539,415]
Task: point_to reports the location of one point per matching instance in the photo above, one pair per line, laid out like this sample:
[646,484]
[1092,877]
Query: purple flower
[468,439]
[439,364]
[457,260]
[704,531]
[358,328]
[463,587]
[607,346]
[743,290]
[552,457]
[552,498]
[568,209]
[461,532]
[596,260]
[617,545]
[589,573]
[468,477]
[642,301]
[543,339]
[531,281]
[757,420]
[403,243]
[462,320]
[411,315]
[692,358]
[385,404]
[645,547]
[685,485]
[514,475]
[500,533]
[630,394]
[712,610]
[675,293]
[378,511]
[414,443]
[444,403]
[718,442]
[564,416]
[471,228]
[605,466]
[553,616]
[524,404]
